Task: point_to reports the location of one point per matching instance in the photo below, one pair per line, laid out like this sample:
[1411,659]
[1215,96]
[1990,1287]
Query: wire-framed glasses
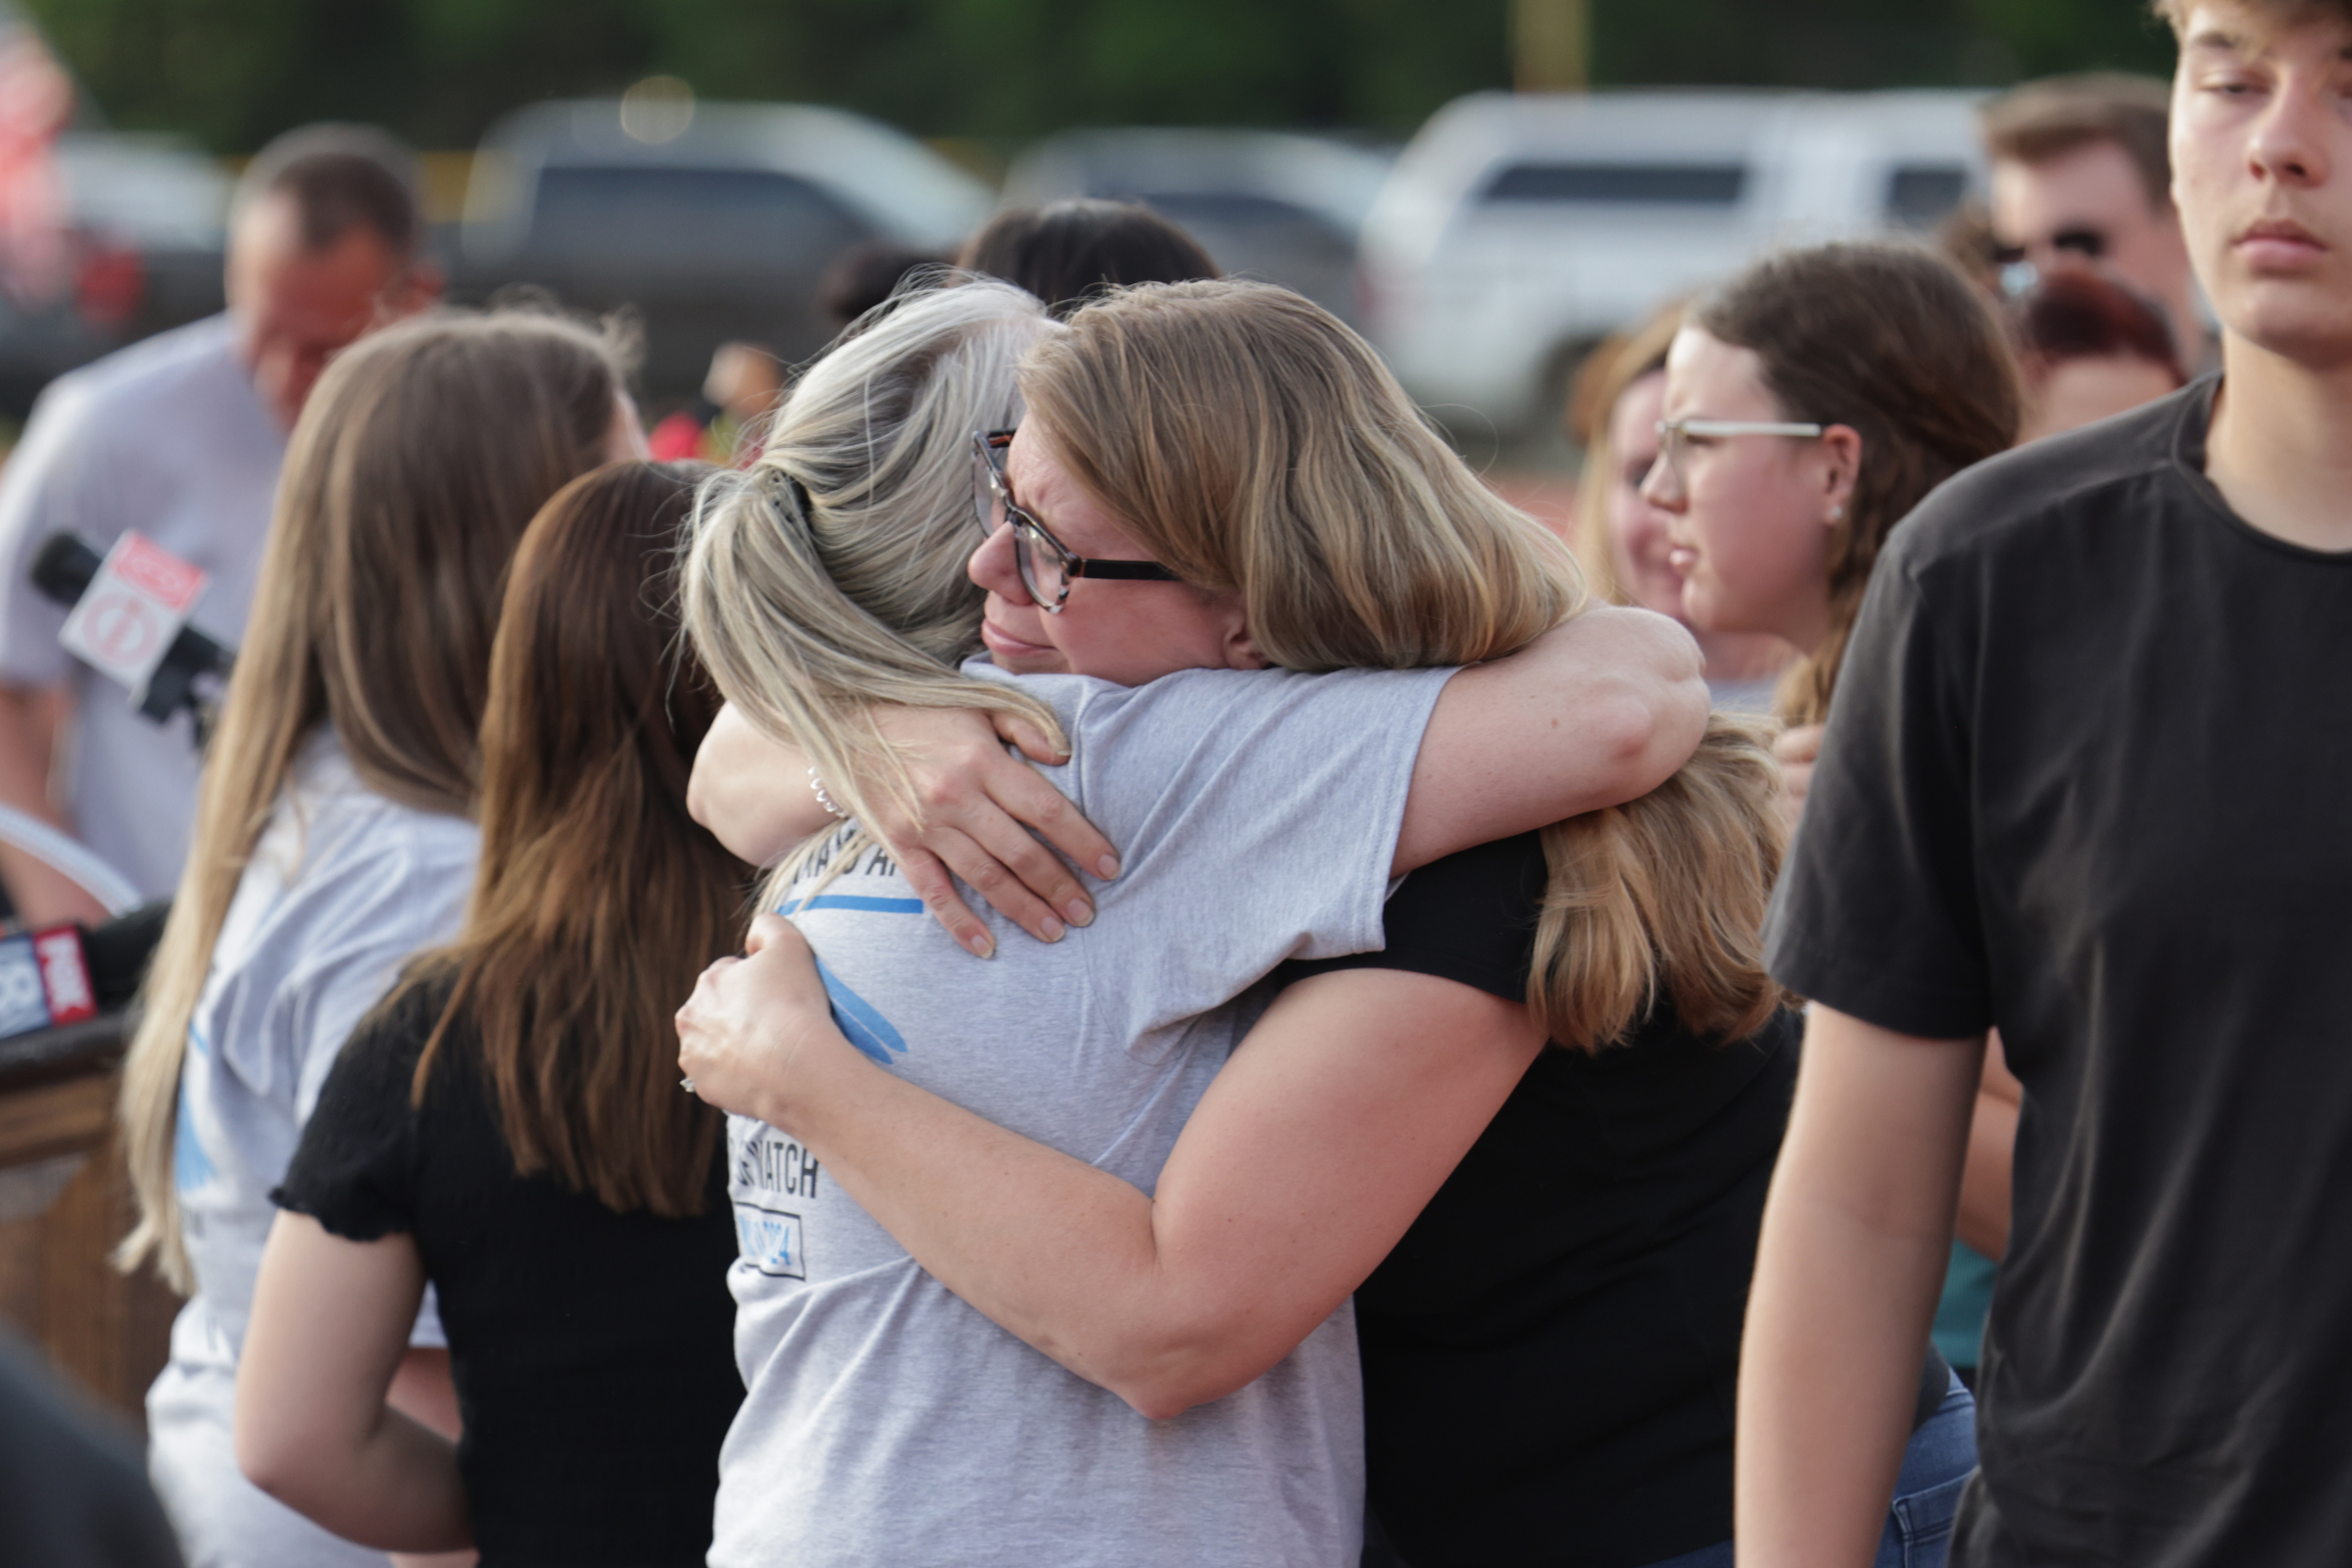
[1676,435]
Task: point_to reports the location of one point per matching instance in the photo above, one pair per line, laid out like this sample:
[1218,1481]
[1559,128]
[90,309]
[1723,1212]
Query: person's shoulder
[389,1040]
[2082,476]
[357,824]
[163,366]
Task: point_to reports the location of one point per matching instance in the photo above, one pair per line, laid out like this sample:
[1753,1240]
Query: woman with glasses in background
[1620,538]
[1810,404]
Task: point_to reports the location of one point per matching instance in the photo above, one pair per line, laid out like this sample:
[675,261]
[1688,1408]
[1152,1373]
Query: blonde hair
[1664,898]
[830,576]
[1603,379]
[419,457]
[1251,442]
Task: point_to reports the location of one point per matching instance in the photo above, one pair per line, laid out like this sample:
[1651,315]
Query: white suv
[1519,229]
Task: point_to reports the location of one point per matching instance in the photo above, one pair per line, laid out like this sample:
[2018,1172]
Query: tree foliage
[233,72]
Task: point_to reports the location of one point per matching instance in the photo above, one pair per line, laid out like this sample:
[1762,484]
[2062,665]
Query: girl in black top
[507,1125]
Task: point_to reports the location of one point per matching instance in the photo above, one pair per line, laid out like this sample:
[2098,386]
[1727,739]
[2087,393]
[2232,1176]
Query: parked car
[1517,231]
[145,220]
[1265,204]
[714,219]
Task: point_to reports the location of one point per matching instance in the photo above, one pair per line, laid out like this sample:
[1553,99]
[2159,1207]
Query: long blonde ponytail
[829,579]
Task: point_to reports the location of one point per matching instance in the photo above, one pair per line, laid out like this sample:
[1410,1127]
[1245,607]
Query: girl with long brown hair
[333,834]
[507,1124]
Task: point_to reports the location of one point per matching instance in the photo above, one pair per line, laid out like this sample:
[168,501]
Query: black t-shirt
[2088,777]
[593,1351]
[1551,1352]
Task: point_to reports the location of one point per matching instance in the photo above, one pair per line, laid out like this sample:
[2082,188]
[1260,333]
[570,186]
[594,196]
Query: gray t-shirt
[167,437]
[343,888]
[887,1421]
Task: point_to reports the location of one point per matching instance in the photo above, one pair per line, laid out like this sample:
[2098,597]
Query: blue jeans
[1936,1464]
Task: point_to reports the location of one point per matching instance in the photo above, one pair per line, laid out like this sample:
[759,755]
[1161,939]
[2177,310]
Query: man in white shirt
[179,438]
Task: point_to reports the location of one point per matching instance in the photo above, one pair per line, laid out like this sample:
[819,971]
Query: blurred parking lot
[1485,256]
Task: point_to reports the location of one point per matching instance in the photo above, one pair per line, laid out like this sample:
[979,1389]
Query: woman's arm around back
[1323,1137]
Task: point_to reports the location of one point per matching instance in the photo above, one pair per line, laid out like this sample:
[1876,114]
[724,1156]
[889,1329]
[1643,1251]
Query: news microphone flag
[44,981]
[132,612]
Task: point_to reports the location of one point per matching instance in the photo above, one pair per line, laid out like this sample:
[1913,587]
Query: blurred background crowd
[710,164]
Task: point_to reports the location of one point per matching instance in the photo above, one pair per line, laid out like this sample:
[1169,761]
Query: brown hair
[2051,118]
[598,898]
[1889,339]
[414,466]
[2177,11]
[1068,252]
[1602,379]
[340,177]
[1254,443]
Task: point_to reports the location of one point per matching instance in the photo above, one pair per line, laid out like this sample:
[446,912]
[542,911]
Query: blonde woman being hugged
[333,836]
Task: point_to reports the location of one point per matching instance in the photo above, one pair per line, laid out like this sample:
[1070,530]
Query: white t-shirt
[343,887]
[167,437]
[886,1421]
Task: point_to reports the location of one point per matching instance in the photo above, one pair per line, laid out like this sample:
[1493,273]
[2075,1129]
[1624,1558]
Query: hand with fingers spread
[976,806]
[757,1035]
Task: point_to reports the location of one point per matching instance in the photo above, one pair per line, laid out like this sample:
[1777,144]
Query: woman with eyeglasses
[1810,404]
[1547,1352]
[1619,539]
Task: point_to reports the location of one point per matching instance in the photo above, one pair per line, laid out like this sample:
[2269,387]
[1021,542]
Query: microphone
[67,973]
[63,570]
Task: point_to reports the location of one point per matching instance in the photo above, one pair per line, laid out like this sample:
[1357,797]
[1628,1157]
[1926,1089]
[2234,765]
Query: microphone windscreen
[117,949]
[64,568]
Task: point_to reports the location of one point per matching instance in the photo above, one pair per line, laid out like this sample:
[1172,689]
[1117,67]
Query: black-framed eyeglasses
[1047,568]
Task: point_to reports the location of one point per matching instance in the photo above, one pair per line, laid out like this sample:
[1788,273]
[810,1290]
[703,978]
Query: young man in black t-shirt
[2088,779]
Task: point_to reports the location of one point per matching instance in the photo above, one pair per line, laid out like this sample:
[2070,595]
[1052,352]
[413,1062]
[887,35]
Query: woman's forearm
[1322,1138]
[746,790]
[1856,1237]
[1593,713]
[395,1488]
[1071,1268]
[329,1333]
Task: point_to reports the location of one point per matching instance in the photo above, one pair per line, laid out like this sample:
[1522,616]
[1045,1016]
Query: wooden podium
[65,1201]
